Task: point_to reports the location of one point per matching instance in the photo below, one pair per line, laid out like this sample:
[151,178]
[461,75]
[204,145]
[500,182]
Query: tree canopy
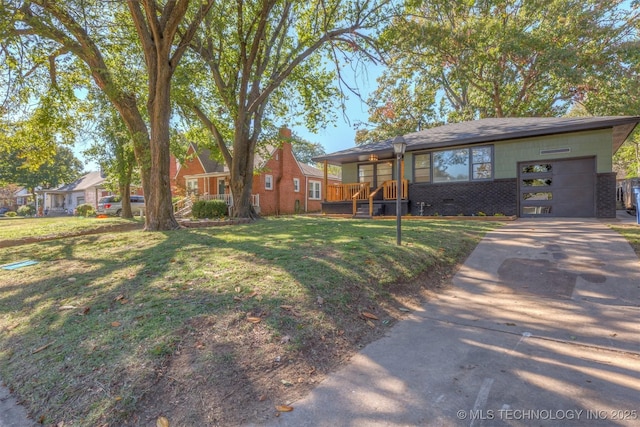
[455,60]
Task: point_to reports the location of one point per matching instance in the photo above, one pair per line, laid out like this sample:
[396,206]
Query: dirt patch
[231,371]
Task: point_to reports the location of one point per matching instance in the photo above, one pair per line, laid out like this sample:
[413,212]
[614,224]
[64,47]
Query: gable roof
[90,180]
[313,172]
[489,130]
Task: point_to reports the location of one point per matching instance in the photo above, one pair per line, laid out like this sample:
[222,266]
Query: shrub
[209,209]
[26,210]
[85,210]
[11,214]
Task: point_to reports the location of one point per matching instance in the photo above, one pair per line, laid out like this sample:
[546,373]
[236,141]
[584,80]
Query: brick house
[529,167]
[281,184]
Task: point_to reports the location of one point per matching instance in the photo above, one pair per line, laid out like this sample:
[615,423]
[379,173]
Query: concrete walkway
[541,327]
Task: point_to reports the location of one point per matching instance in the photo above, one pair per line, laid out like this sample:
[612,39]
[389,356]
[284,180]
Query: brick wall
[491,197]
[283,167]
[606,195]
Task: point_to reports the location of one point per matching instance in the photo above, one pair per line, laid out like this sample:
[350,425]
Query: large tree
[269,60]
[84,30]
[454,60]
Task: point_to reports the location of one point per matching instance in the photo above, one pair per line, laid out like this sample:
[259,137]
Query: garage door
[557,188]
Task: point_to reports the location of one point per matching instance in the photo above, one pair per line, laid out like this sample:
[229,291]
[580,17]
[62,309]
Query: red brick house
[281,184]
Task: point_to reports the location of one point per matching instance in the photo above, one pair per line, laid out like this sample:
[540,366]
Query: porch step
[362,212]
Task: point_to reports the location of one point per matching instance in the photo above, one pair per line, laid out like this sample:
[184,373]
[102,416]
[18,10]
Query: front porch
[358,199]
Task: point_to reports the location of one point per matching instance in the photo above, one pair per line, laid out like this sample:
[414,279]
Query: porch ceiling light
[373,157]
[399,145]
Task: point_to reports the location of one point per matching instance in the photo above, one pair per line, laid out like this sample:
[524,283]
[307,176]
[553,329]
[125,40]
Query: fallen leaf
[162,422]
[252,294]
[118,398]
[286,383]
[510,324]
[119,297]
[285,339]
[116,324]
[406,310]
[284,408]
[238,289]
[124,301]
[66,307]
[86,310]
[370,323]
[254,319]
[286,307]
[237,298]
[320,300]
[369,315]
[71,279]
[262,398]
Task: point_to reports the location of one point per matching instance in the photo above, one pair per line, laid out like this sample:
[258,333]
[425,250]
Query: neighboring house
[22,197]
[282,186]
[529,167]
[64,199]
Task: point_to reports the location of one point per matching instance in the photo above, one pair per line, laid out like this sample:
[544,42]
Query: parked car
[112,205]
[4,210]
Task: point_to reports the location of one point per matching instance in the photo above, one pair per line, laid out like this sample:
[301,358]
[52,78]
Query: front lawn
[18,228]
[631,233]
[211,325]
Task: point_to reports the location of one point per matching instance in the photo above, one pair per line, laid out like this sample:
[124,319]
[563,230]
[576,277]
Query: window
[375,173]
[365,173]
[192,186]
[456,165]
[481,163]
[384,172]
[451,165]
[296,185]
[268,182]
[422,168]
[314,190]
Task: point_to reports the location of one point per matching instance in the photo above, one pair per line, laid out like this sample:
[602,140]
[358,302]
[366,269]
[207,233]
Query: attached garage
[557,188]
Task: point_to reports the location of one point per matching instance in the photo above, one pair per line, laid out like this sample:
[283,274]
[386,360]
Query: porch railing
[346,192]
[362,191]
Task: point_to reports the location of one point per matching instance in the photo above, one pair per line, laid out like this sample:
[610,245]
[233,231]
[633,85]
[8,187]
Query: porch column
[326,181]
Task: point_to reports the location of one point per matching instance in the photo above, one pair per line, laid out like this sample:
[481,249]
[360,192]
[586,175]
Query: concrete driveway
[541,326]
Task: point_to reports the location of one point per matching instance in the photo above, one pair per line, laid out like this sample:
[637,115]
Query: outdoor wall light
[373,157]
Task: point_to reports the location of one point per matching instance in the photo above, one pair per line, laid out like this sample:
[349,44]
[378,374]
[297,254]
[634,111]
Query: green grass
[631,233]
[22,228]
[112,307]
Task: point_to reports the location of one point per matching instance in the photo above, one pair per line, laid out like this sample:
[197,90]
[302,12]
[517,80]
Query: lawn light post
[399,146]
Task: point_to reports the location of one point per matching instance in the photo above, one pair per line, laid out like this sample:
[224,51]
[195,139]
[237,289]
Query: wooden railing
[361,191]
[345,192]
[390,189]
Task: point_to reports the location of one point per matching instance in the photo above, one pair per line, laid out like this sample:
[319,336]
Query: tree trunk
[125,191]
[158,204]
[241,172]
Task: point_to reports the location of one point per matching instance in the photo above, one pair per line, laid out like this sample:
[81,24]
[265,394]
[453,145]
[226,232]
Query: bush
[26,210]
[85,210]
[209,209]
[11,214]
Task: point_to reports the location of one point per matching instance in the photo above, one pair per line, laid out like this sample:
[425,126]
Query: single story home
[281,184]
[64,199]
[529,167]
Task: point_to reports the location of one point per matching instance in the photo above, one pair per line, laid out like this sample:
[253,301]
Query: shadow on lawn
[154,307]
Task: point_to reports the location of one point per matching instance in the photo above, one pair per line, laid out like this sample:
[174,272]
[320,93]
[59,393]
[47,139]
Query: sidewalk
[541,327]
